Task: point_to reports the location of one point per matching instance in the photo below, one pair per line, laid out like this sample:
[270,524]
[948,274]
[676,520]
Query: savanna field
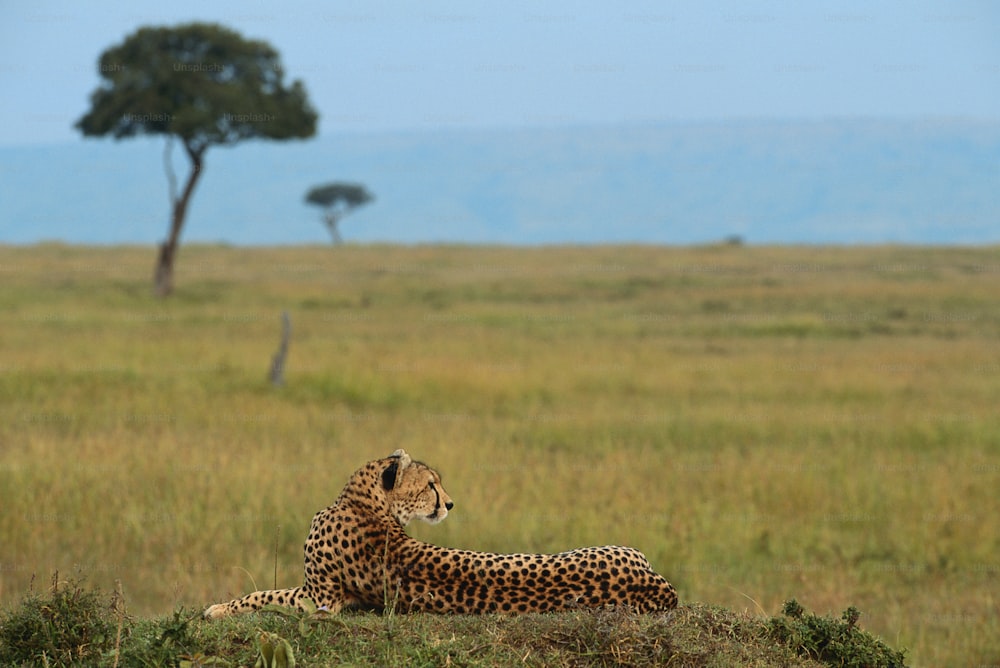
[764,423]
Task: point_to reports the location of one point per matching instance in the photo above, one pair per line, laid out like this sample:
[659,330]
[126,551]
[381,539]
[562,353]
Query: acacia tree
[338,200]
[203,85]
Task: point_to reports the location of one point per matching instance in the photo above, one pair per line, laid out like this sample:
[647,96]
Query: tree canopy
[350,194]
[202,83]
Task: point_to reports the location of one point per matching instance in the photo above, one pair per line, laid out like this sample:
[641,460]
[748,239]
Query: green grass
[764,423]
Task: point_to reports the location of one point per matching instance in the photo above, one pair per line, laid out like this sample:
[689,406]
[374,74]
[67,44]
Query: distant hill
[766,182]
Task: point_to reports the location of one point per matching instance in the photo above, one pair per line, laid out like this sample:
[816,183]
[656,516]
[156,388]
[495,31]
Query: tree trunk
[331,219]
[163,278]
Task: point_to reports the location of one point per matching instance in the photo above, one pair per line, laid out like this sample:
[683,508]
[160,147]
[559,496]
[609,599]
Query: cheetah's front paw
[215,611]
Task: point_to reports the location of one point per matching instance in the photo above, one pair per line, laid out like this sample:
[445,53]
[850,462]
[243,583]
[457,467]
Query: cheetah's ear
[404,459]
[391,472]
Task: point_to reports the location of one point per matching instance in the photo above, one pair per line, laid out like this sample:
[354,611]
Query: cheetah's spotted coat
[357,548]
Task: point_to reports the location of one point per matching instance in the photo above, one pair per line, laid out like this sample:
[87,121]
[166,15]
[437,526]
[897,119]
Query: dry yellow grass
[762,422]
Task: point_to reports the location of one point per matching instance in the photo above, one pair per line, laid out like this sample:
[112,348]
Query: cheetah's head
[414,490]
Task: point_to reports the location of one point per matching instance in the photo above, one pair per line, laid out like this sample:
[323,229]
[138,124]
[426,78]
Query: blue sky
[384,66]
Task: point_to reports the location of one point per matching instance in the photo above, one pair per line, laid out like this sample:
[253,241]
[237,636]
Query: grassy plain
[764,423]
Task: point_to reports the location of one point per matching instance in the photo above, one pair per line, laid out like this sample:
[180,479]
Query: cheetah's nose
[449,505]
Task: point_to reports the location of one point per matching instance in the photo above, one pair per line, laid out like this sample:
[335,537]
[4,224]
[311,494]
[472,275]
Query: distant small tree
[338,200]
[202,84]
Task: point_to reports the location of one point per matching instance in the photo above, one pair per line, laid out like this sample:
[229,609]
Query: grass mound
[72,625]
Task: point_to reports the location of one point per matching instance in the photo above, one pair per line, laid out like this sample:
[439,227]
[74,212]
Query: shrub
[71,625]
[836,643]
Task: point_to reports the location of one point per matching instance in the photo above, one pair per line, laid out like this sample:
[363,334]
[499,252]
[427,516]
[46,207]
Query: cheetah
[357,555]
